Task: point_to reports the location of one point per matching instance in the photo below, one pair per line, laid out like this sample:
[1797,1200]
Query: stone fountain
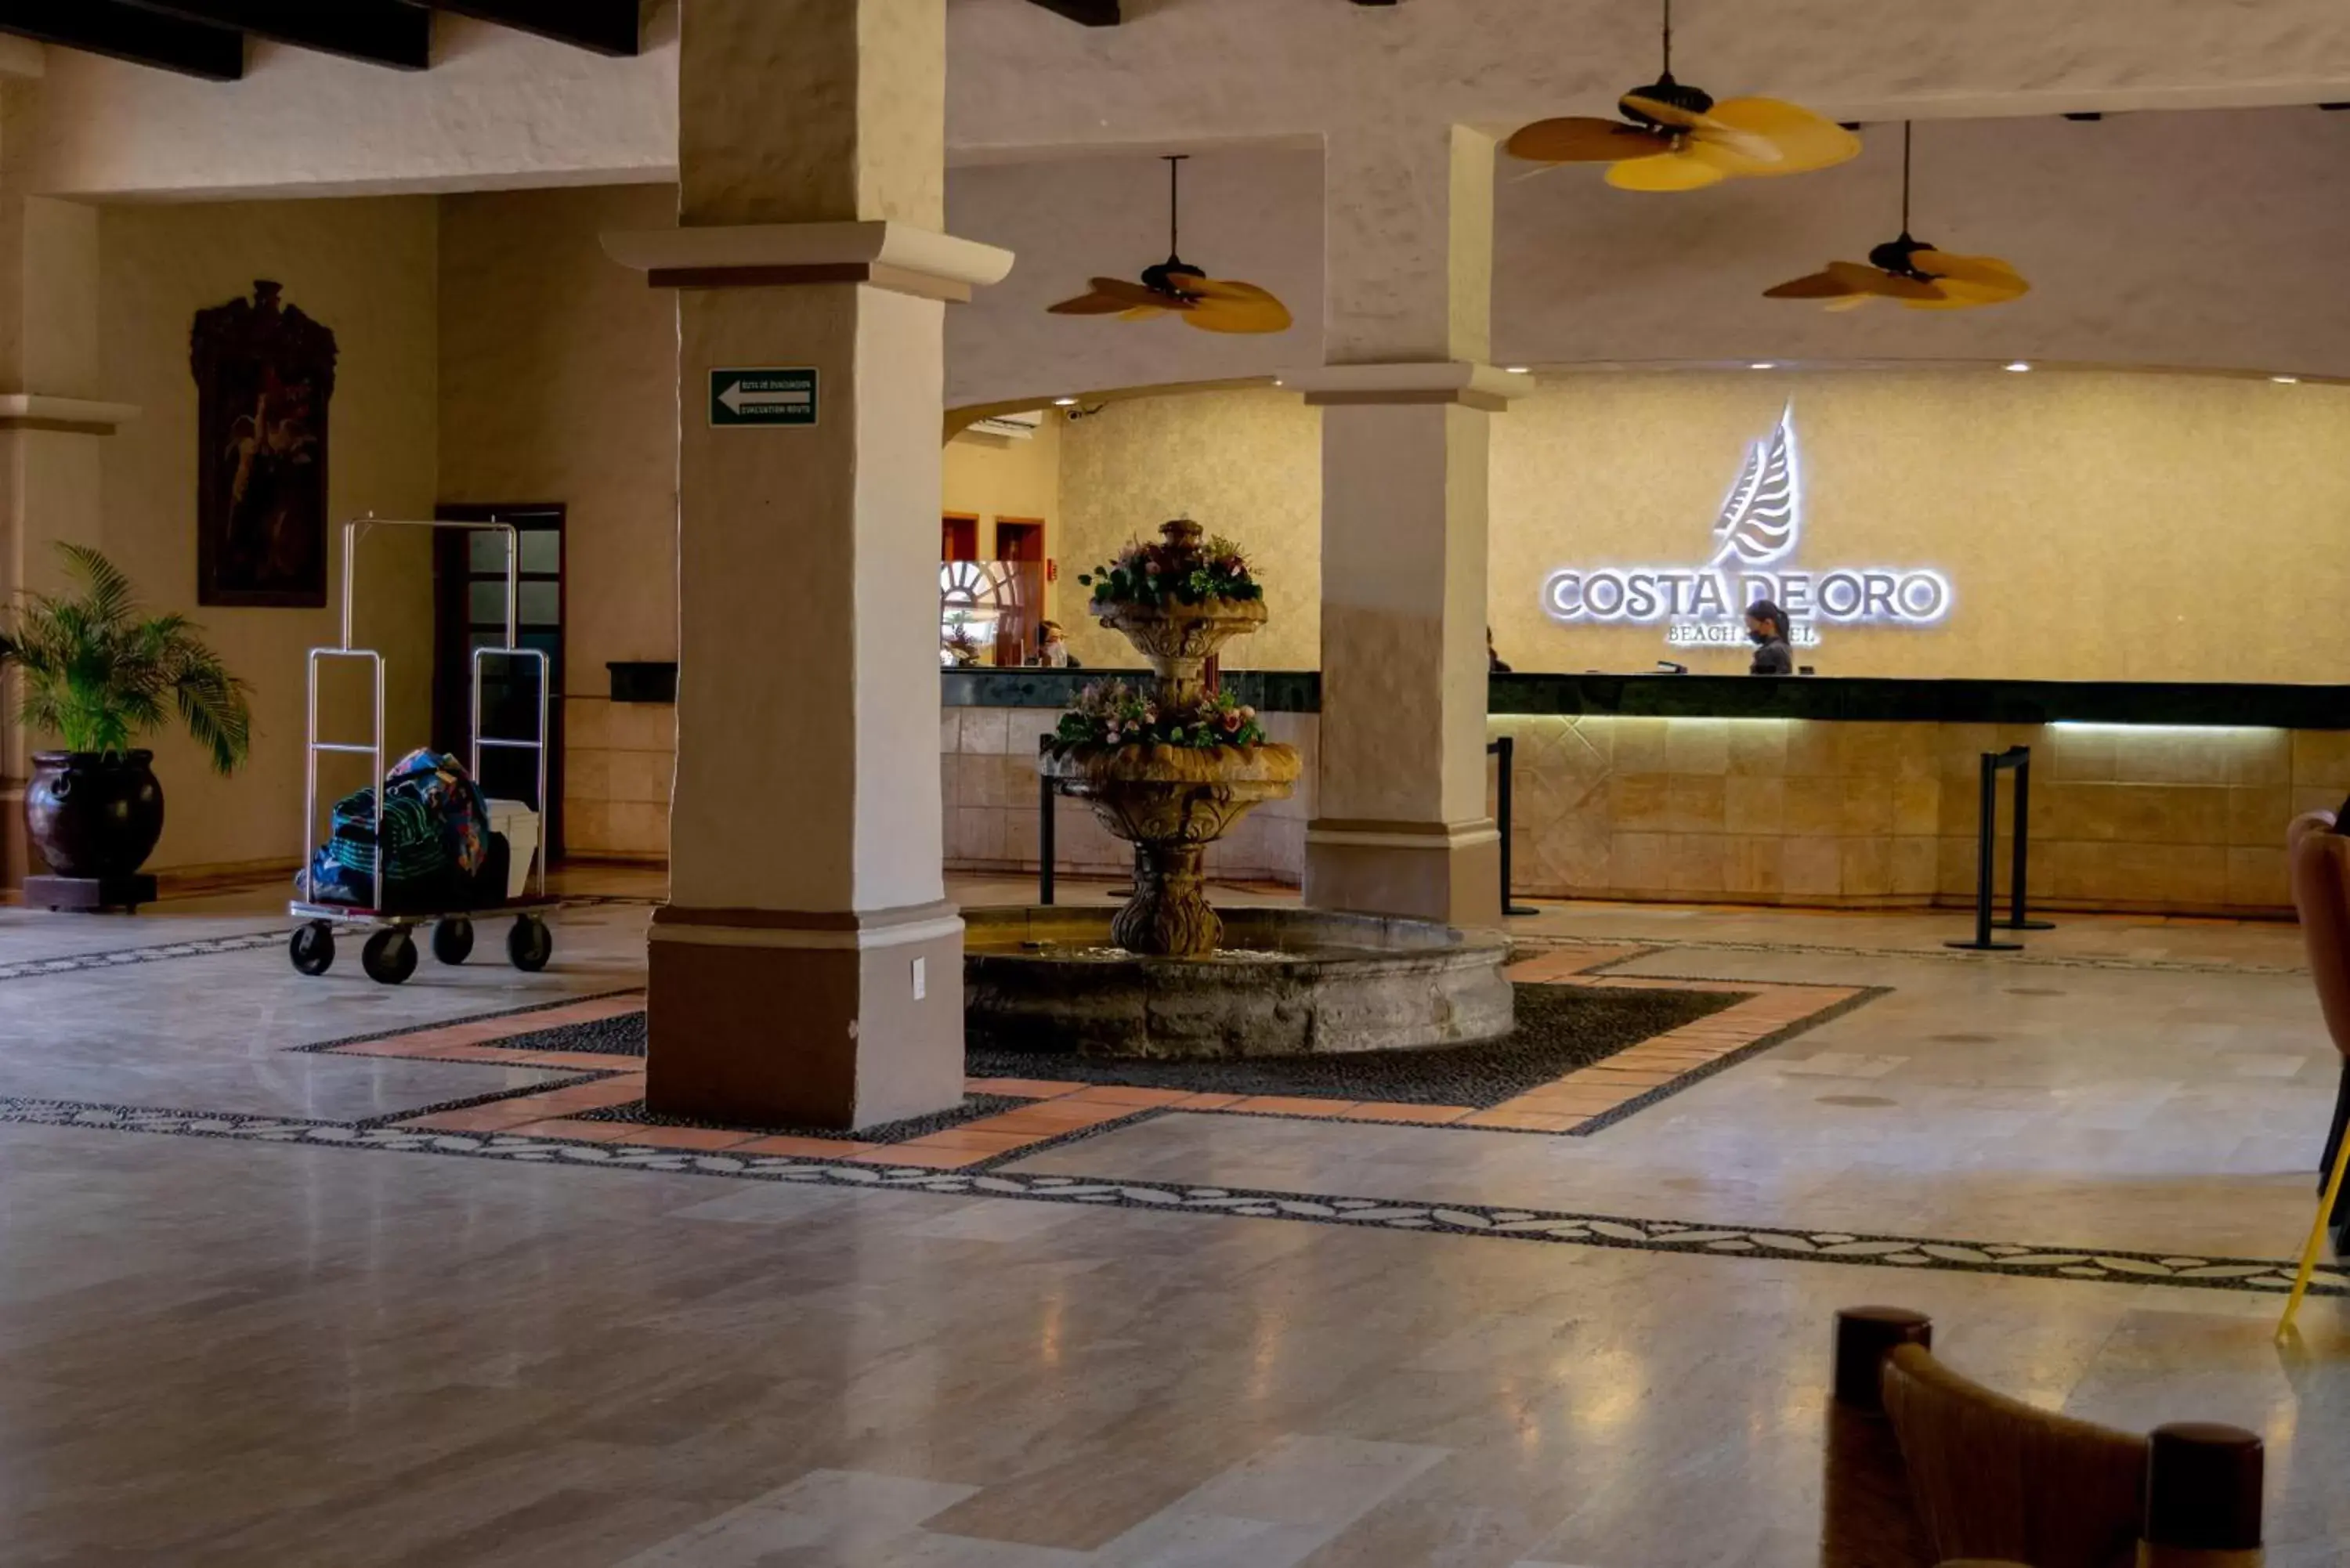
[1171,802]
[1154,978]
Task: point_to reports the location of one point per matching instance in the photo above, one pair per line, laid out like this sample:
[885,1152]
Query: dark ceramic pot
[94,813]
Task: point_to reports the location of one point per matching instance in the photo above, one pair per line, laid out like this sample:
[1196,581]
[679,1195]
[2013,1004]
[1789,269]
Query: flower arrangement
[1179,570]
[1113,714]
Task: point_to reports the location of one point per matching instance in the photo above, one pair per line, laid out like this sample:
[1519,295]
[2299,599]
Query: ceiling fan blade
[1111,295]
[1811,285]
[1863,279]
[1582,139]
[1229,306]
[1088,305]
[1798,140]
[1142,312]
[1985,274]
[1667,172]
[1850,302]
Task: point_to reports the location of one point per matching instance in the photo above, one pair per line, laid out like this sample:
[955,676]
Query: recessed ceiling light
[1064,402]
[1763,365]
[2018,365]
[1518,370]
[2284,380]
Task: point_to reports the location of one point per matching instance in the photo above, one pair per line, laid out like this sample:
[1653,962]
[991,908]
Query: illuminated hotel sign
[1755,537]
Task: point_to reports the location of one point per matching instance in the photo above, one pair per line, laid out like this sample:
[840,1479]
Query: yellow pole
[2316,1240]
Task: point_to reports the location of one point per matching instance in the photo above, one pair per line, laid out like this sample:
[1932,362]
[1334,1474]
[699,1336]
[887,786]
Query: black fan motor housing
[1169,276]
[1895,255]
[1664,90]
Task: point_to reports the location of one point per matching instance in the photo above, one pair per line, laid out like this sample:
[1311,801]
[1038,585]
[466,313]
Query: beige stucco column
[1407,398]
[53,429]
[808,967]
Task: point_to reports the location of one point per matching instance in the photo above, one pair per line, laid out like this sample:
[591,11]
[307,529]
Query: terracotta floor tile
[581,1132]
[814,1148]
[686,1137]
[1119,1095]
[974,1138]
[1526,1121]
[1291,1105]
[1032,1124]
[1209,1102]
[1389,1111]
[1025,1088]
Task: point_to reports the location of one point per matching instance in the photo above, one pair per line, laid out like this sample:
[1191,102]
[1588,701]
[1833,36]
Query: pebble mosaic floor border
[1486,1221]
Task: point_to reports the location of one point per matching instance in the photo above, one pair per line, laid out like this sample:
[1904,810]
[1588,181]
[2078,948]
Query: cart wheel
[452,941]
[529,944]
[389,956]
[313,948]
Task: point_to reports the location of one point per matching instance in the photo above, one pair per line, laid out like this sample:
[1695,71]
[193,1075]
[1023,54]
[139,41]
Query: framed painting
[264,376]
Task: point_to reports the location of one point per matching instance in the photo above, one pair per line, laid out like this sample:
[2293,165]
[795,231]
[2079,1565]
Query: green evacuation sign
[770,396]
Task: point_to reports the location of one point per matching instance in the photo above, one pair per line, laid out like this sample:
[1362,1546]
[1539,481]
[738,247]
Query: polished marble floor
[272,1327]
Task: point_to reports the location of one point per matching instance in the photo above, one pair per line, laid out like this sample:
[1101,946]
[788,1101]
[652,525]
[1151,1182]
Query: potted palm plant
[100,673]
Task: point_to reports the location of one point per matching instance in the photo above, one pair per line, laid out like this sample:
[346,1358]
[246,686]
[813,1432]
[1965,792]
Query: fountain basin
[1284,983]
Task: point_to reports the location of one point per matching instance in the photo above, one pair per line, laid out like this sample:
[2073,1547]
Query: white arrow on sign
[736,399]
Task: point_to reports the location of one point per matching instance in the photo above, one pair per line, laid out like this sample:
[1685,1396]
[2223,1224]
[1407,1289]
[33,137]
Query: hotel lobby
[1386,1043]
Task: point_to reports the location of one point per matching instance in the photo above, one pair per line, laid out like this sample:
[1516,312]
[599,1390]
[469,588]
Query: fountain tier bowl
[1286,983]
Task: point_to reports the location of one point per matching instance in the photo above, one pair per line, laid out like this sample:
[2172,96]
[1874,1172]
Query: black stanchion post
[2016,920]
[1504,800]
[1986,834]
[1045,851]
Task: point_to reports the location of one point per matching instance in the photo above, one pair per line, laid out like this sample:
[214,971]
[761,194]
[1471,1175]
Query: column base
[1423,871]
[785,1019]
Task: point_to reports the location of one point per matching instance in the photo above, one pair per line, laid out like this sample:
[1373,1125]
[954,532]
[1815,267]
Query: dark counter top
[1822,697]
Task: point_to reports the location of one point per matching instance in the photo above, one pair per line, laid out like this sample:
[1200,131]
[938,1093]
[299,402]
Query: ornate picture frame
[264,377]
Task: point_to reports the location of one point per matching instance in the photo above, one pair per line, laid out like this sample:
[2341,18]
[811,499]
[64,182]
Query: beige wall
[559,384]
[1247,464]
[2093,527]
[365,269]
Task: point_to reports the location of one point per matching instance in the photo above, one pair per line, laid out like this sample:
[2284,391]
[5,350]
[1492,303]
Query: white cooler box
[520,825]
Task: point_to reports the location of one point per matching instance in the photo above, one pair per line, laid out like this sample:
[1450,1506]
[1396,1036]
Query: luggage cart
[389,953]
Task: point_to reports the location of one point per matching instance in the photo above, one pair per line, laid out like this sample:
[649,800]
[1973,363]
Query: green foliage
[1173,574]
[99,677]
[1113,714]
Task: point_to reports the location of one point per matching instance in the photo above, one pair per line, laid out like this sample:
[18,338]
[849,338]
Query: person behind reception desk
[1494,665]
[1053,647]
[1766,623]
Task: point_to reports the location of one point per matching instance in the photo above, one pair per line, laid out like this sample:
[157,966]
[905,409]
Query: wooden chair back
[1925,1466]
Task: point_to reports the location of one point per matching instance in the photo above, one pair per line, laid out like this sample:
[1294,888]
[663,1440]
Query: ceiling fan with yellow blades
[1910,271]
[1176,287]
[1674,137]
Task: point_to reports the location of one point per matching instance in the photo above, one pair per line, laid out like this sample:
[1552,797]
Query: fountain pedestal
[1155,978]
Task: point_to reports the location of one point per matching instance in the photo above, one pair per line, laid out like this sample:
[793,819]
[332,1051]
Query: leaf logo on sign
[1762,514]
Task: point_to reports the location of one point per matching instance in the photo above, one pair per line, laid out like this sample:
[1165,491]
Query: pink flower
[1247,713]
[1231,721]
[1151,567]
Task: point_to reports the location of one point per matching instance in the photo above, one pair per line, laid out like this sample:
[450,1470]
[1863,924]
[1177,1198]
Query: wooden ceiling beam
[606,26]
[379,32]
[1086,12]
[130,33]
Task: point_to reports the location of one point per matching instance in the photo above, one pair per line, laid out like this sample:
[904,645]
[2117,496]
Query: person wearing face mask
[1766,623]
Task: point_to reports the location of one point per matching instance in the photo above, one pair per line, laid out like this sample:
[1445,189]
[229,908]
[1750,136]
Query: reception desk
[2169,798]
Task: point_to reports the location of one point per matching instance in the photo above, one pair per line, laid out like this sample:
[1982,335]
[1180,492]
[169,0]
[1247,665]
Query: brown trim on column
[805,920]
[879,274]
